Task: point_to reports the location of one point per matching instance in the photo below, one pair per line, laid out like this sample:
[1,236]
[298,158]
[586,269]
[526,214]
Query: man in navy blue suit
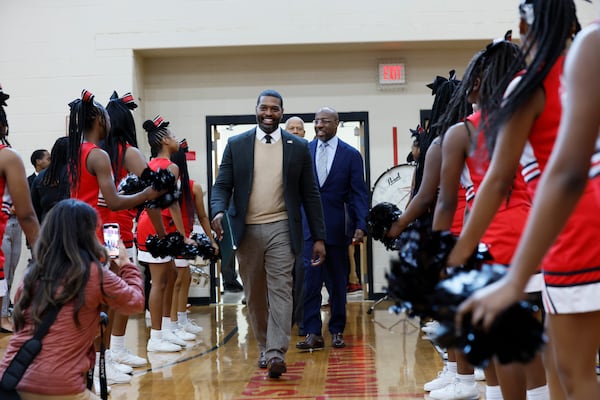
[340,175]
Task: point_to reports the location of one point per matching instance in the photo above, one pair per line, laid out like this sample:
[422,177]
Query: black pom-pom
[173,245]
[379,221]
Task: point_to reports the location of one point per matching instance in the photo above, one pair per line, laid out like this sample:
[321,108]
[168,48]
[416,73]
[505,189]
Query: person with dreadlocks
[90,174]
[191,203]
[164,336]
[464,146]
[13,180]
[422,203]
[121,146]
[91,179]
[531,112]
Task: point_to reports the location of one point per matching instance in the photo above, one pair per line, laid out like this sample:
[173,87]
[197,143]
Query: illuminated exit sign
[392,74]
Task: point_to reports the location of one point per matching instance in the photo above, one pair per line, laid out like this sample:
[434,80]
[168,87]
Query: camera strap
[27,353]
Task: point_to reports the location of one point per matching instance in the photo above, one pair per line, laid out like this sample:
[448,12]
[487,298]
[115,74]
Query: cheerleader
[164,336]
[531,113]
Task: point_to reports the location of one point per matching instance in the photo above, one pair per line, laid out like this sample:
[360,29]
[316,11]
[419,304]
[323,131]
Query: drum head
[394,186]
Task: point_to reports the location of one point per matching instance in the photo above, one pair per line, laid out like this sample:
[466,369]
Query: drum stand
[408,326]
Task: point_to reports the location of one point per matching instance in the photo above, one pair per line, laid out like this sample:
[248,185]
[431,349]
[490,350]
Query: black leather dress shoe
[262,361]
[312,341]
[338,341]
[276,367]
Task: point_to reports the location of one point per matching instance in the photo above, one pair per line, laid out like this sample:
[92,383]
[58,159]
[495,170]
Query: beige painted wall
[187,59]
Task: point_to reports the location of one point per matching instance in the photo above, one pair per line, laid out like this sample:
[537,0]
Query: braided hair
[443,89]
[84,113]
[551,24]
[185,201]
[58,163]
[3,119]
[122,129]
[157,130]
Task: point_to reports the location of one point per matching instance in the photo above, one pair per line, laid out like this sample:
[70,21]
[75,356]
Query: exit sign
[391,75]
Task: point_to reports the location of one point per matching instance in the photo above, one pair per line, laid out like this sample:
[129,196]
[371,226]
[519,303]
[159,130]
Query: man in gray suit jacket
[265,178]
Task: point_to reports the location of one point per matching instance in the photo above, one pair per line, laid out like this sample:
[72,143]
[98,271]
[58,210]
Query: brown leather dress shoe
[312,341]
[276,367]
[262,360]
[338,341]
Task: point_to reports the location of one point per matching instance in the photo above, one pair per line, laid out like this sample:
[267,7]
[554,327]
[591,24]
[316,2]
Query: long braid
[122,129]
[3,118]
[84,112]
[185,201]
[443,89]
[58,157]
[552,24]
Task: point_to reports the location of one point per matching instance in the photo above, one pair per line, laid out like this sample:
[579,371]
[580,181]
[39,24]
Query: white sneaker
[113,375]
[170,336]
[122,368]
[457,390]
[479,374]
[191,327]
[126,357]
[181,334]
[443,379]
[430,327]
[162,346]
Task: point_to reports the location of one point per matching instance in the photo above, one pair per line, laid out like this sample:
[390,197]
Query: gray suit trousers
[266,261]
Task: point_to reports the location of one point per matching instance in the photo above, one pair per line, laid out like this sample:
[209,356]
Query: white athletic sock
[539,393]
[155,334]
[117,343]
[468,379]
[451,366]
[493,393]
[166,323]
[182,317]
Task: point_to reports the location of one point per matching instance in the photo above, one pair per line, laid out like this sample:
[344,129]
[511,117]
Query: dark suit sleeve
[359,195]
[222,189]
[35,196]
[311,199]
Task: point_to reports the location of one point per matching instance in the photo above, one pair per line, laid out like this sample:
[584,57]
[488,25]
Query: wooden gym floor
[385,358]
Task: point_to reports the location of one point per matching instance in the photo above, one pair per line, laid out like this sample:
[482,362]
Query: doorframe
[250,119]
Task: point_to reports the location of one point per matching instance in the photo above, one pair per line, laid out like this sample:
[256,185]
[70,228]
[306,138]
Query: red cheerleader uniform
[87,188]
[572,266]
[504,232]
[145,227]
[123,217]
[464,196]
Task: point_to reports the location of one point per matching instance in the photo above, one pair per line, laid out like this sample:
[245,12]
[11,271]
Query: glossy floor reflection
[385,358]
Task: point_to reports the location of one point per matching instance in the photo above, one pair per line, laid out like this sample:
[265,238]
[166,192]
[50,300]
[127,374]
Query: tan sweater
[267,203]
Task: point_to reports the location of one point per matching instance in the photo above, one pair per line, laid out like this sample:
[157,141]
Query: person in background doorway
[40,159]
[265,178]
[340,174]
[295,125]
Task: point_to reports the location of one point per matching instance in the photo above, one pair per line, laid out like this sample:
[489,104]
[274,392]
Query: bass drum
[394,186]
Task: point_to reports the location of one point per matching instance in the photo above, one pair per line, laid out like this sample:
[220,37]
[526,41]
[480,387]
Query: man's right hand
[217,226]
